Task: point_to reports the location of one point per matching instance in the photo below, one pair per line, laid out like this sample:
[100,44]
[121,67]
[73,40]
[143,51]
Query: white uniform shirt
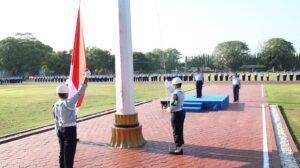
[177,104]
[236,80]
[198,76]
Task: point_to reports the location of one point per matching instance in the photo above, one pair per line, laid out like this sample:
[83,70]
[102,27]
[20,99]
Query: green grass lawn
[29,105]
[288,98]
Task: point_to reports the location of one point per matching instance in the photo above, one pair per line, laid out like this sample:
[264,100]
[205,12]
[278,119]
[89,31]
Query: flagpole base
[127,132]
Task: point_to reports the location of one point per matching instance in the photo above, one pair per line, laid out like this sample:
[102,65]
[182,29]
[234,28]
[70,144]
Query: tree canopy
[58,63]
[100,61]
[278,53]
[230,54]
[23,54]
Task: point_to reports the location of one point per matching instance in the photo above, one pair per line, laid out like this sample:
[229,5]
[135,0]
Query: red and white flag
[78,63]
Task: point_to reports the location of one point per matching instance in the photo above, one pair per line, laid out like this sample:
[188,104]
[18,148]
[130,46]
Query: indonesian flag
[78,63]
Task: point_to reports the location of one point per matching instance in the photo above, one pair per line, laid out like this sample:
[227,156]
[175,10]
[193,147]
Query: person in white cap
[65,122]
[177,113]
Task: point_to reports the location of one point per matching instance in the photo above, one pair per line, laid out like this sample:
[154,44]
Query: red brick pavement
[230,138]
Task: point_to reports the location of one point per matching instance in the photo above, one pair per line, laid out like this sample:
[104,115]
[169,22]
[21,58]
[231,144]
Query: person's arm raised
[72,101]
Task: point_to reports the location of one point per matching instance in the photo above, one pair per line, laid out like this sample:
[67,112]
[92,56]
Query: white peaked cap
[176,81]
[62,89]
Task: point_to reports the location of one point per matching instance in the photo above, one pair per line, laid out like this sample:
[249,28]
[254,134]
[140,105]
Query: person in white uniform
[177,114]
[199,78]
[64,111]
[236,82]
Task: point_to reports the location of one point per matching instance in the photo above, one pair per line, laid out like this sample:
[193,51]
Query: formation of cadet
[58,79]
[288,75]
[155,77]
[101,78]
[255,76]
[61,79]
[8,80]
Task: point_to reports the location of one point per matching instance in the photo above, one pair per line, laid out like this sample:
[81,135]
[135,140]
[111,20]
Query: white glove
[169,110]
[87,73]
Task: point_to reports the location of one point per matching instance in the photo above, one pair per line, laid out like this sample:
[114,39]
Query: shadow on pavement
[252,158]
[236,107]
[93,143]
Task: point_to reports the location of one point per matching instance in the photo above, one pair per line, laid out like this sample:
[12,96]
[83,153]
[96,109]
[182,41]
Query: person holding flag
[71,96]
[65,122]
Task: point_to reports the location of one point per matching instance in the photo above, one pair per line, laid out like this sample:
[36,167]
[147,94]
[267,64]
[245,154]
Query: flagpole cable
[160,31]
[169,130]
[159,24]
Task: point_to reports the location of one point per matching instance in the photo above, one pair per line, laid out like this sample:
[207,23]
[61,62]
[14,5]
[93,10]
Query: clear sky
[191,26]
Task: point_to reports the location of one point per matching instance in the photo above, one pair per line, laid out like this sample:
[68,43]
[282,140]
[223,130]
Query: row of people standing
[288,76]
[9,80]
[221,76]
[61,79]
[244,76]
[247,76]
[58,79]
[186,77]
[155,77]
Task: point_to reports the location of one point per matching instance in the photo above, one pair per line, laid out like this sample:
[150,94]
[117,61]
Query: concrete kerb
[288,134]
[38,130]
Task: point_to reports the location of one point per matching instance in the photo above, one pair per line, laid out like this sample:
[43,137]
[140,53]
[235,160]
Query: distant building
[253,68]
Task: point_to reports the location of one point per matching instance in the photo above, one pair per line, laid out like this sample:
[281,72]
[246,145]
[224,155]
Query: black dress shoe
[174,152]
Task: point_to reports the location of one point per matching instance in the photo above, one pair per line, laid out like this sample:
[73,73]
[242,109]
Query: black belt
[177,111]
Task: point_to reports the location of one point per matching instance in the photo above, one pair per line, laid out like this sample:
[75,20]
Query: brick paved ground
[231,138]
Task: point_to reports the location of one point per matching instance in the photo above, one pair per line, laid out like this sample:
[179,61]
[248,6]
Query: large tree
[172,57]
[154,61]
[58,63]
[22,54]
[278,53]
[158,53]
[100,61]
[203,60]
[297,61]
[141,63]
[230,54]
[164,60]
